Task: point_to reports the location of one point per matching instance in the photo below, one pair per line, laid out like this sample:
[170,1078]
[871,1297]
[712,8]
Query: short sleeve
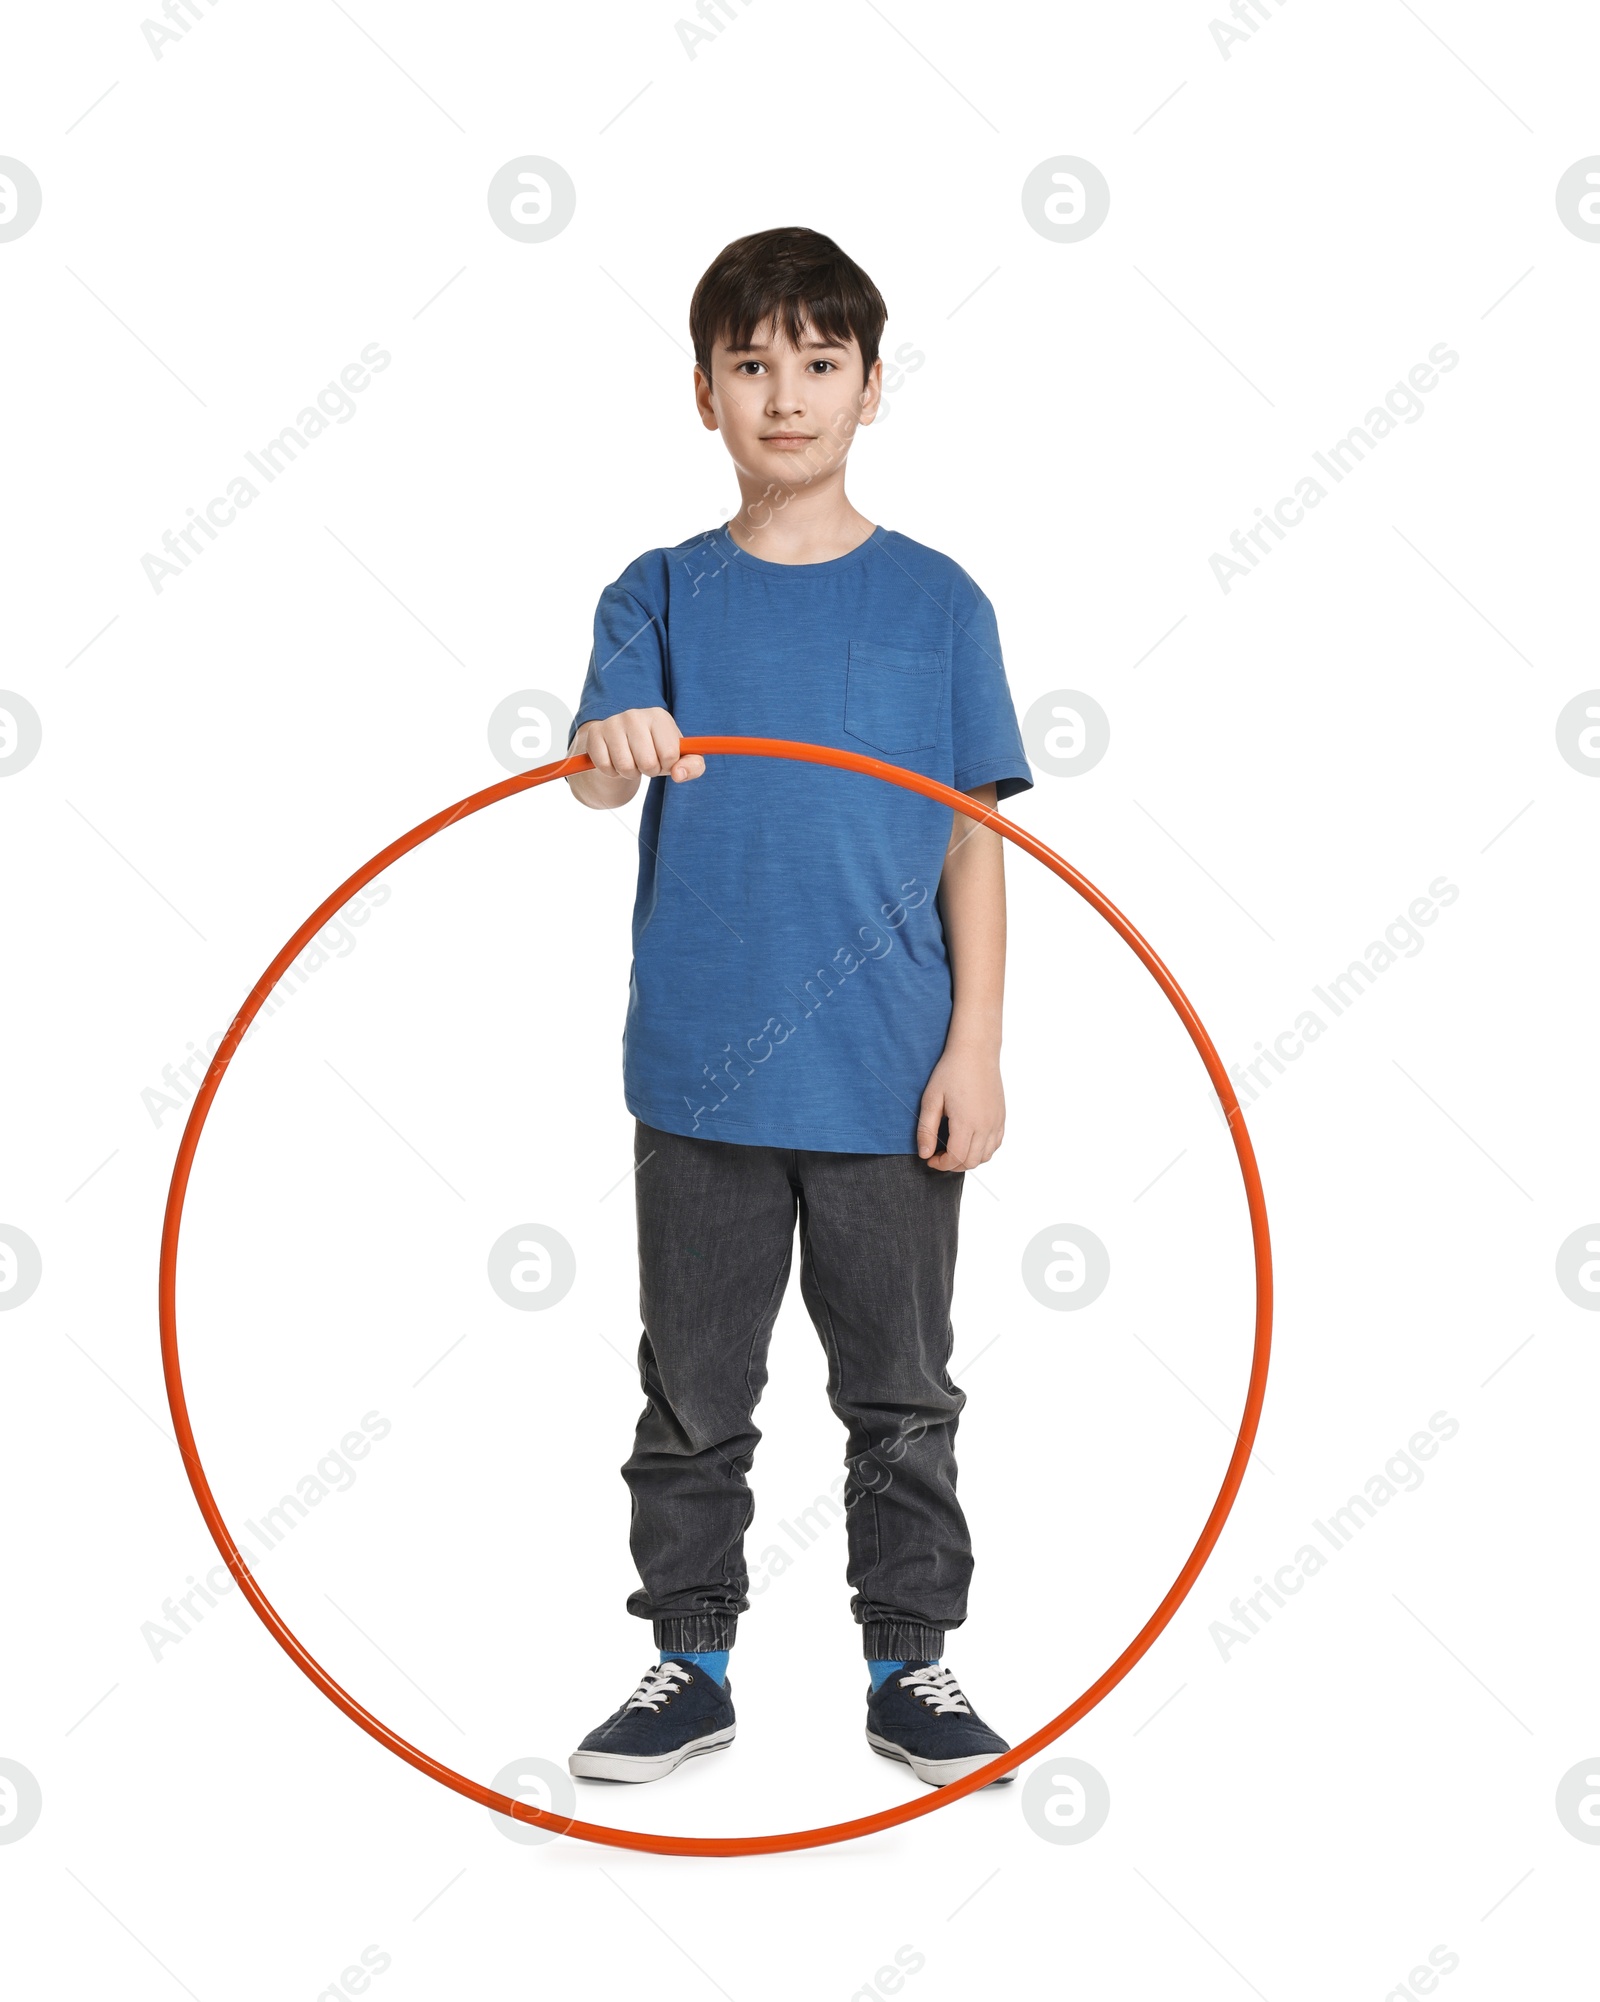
[986,740]
[627,663]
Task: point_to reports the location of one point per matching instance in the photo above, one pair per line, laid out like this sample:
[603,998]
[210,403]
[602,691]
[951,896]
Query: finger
[598,750]
[642,744]
[960,1146]
[621,749]
[663,739]
[691,767]
[928,1123]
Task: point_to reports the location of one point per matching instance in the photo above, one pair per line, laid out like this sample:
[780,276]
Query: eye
[740,367]
[821,362]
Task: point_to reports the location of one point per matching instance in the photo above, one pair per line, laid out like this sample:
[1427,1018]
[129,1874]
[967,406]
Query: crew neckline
[735,548]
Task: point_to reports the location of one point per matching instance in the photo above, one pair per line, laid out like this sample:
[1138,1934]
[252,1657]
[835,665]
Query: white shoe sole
[622,1766]
[936,1772]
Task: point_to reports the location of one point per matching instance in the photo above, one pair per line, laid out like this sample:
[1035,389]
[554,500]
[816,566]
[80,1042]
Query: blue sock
[880,1671]
[715,1665]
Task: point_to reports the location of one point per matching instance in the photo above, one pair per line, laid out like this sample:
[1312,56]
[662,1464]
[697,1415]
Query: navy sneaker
[677,1712]
[920,1717]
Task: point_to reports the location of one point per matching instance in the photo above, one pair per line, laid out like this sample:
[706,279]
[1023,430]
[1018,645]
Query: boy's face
[787,415]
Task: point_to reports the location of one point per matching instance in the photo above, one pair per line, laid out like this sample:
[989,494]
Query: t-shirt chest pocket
[892,695]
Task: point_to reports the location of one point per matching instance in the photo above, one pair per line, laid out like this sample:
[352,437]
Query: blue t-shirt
[790,986]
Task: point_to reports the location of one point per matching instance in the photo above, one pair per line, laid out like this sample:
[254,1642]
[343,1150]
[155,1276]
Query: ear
[871,393]
[702,399]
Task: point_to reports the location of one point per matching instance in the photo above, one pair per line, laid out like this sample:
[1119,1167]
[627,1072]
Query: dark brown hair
[796,277]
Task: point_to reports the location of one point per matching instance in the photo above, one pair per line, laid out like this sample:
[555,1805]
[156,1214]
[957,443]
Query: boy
[813,1019]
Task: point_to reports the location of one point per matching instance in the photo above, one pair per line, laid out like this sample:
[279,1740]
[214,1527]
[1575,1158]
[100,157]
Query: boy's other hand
[965,1089]
[637,743]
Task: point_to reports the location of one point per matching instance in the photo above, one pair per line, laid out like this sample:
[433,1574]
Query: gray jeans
[877,1263]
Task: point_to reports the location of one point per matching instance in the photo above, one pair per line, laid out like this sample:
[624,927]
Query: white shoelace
[938,1688]
[656,1685]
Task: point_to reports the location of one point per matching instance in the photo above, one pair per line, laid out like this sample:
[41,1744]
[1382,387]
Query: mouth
[787,437]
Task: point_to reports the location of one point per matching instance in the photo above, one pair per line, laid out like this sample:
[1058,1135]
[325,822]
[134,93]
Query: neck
[797,524]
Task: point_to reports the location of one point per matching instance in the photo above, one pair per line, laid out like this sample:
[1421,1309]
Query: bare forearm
[965,1091]
[972,896]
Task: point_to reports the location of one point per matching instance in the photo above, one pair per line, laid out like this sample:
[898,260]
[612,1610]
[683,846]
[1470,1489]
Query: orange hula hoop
[802,1838]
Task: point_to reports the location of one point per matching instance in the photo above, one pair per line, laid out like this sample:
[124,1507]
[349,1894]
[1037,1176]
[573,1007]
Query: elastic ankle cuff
[901,1640]
[696,1633]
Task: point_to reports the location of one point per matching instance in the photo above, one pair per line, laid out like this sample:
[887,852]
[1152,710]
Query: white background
[1292,227]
